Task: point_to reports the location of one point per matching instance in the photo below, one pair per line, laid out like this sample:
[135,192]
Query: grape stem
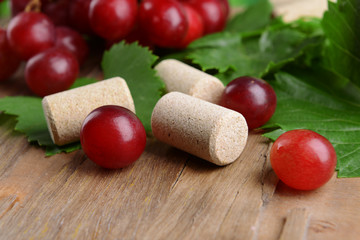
[33,6]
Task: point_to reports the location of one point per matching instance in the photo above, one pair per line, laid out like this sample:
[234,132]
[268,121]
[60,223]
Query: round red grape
[196,26]
[112,19]
[112,137]
[79,16]
[73,42]
[254,98]
[52,71]
[9,61]
[164,21]
[213,13]
[30,33]
[303,159]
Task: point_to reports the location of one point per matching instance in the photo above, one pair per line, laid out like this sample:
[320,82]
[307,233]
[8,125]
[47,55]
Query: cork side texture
[198,127]
[65,111]
[180,77]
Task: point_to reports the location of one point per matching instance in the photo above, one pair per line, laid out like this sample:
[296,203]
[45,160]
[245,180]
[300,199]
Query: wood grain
[166,194]
[296,225]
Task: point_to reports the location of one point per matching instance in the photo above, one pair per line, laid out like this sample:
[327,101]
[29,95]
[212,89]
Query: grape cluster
[49,34]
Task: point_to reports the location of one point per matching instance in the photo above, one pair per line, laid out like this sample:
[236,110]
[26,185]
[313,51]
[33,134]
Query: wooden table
[166,194]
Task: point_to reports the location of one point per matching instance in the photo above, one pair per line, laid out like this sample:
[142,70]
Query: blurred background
[5,9]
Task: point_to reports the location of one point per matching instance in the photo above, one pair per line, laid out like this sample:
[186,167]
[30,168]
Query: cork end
[228,138]
[50,120]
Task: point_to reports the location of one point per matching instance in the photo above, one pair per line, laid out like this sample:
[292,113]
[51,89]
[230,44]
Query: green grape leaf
[340,24]
[134,63]
[255,17]
[82,82]
[255,57]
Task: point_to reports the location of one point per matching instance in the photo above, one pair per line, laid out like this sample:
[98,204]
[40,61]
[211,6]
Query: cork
[65,111]
[201,128]
[180,77]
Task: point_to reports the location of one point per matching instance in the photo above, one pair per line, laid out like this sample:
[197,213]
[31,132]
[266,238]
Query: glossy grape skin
[51,71]
[9,61]
[30,33]
[112,137]
[254,98]
[303,159]
[112,19]
[73,42]
[196,26]
[79,16]
[213,13]
[164,21]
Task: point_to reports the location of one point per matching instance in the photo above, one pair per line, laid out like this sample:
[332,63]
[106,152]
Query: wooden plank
[165,194]
[332,207]
[296,225]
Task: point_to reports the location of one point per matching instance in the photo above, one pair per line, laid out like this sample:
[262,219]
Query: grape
[213,13]
[57,11]
[137,35]
[225,7]
[196,26]
[164,21]
[79,16]
[30,33]
[51,71]
[303,159]
[9,62]
[112,19]
[18,6]
[254,98]
[73,42]
[112,137]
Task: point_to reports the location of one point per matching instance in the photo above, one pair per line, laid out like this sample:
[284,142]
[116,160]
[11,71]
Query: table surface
[166,194]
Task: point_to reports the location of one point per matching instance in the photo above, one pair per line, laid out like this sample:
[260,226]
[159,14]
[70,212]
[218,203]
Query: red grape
[164,21]
[57,11]
[196,26]
[79,16]
[73,42]
[112,19]
[112,137]
[136,35]
[303,159]
[9,61]
[18,6]
[213,13]
[30,33]
[51,71]
[254,98]
[225,7]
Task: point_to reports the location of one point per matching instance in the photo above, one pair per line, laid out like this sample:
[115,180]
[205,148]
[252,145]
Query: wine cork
[65,111]
[180,77]
[206,130]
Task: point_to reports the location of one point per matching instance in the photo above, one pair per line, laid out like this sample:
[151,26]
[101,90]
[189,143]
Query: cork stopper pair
[188,120]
